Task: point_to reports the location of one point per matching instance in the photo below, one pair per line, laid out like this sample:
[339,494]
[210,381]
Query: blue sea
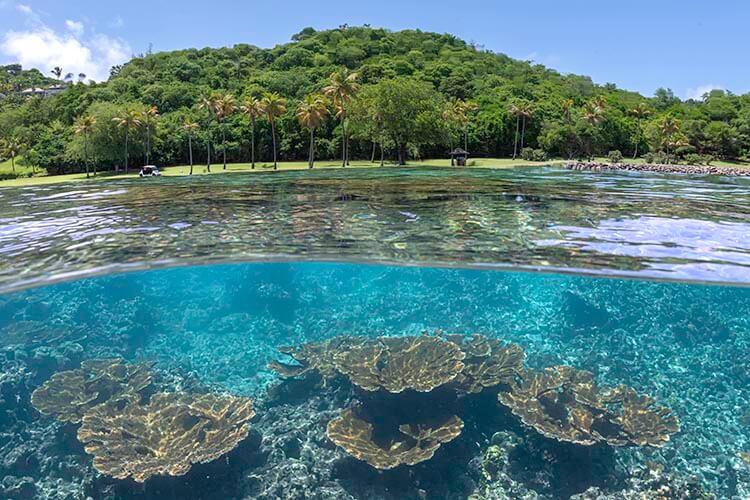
[639,280]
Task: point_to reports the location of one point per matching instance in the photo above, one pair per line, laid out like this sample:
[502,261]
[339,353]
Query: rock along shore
[667,169]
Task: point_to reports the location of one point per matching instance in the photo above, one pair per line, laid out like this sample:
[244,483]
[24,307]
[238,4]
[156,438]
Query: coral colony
[410,400]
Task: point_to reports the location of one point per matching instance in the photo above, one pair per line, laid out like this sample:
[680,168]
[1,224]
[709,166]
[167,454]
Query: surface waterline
[612,224]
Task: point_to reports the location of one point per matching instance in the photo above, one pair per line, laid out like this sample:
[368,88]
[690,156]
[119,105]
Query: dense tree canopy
[407,89]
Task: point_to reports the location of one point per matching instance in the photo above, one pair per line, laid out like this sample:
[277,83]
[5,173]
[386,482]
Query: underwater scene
[535,334]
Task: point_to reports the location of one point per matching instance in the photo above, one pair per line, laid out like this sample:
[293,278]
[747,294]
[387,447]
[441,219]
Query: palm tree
[593,114]
[342,87]
[57,71]
[84,126]
[128,120]
[149,118]
[311,112]
[567,107]
[273,106]
[253,110]
[460,112]
[523,110]
[600,101]
[13,147]
[209,103]
[190,126]
[640,111]
[226,106]
[668,128]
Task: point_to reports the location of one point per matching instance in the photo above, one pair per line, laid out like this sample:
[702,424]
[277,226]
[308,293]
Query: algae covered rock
[68,395]
[166,436]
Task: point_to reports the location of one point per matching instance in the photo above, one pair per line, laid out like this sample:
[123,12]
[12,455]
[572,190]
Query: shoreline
[659,168]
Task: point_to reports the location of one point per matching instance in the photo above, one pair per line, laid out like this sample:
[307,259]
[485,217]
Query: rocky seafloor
[685,345]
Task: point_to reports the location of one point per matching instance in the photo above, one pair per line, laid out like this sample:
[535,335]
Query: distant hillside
[14,78]
[559,120]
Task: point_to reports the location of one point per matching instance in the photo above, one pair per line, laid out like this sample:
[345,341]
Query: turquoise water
[214,328]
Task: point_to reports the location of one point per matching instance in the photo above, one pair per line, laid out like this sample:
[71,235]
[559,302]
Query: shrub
[531,154]
[655,158]
[694,159]
[615,156]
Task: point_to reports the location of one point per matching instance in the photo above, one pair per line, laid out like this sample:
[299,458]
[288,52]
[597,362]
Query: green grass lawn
[217,169]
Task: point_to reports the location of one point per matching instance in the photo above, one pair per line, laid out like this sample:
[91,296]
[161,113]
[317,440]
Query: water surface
[615,224]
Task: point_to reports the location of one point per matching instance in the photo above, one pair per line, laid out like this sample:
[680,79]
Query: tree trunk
[86,153]
[347,151]
[402,154]
[382,154]
[13,163]
[190,152]
[515,142]
[466,139]
[148,145]
[372,157]
[344,144]
[273,136]
[208,146]
[311,159]
[224,145]
[126,150]
[252,147]
[637,141]
[523,132]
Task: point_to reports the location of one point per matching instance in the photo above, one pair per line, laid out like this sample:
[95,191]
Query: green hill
[558,115]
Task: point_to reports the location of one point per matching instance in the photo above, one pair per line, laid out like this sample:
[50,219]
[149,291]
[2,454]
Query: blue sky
[686,45]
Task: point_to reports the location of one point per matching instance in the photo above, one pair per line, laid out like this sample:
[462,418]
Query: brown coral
[489,362]
[644,422]
[68,395]
[409,445]
[395,364]
[565,404]
[317,357]
[165,437]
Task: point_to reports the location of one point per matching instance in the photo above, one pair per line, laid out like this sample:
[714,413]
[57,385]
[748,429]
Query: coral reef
[410,445]
[395,364]
[564,403]
[68,395]
[165,437]
[315,357]
[488,362]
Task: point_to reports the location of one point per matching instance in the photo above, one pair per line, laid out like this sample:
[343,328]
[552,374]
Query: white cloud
[75,27]
[26,9]
[698,92]
[43,48]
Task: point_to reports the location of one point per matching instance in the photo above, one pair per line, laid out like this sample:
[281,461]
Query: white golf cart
[149,171]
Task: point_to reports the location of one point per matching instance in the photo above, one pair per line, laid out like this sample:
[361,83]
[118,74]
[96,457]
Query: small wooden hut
[458,157]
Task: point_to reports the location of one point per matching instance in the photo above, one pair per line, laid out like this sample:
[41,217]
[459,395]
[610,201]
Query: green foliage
[531,154]
[655,158]
[410,112]
[419,74]
[615,156]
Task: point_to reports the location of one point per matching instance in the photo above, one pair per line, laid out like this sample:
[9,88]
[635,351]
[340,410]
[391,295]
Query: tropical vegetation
[351,93]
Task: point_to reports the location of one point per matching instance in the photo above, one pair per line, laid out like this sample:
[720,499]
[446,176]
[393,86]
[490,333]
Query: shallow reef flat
[214,331]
